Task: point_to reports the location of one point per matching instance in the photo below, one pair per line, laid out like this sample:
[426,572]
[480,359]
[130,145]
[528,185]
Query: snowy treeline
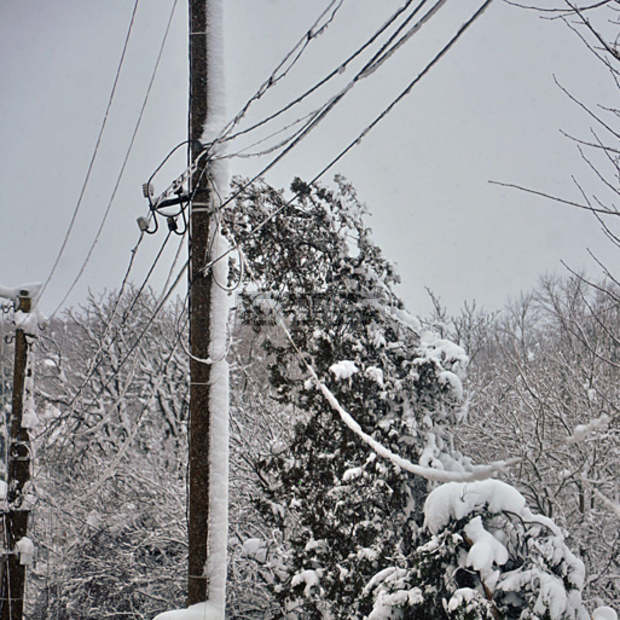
[320,525]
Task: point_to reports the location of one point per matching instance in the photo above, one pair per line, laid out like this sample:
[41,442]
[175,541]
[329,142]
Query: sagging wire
[218,231]
[341,68]
[129,354]
[312,33]
[241,153]
[95,360]
[208,148]
[175,187]
[149,273]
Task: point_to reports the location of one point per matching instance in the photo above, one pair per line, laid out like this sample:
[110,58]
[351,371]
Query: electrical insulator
[147,190]
[172,224]
[142,223]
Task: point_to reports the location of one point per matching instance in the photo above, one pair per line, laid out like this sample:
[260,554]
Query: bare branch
[592,144]
[570,203]
[555,9]
[584,107]
[613,52]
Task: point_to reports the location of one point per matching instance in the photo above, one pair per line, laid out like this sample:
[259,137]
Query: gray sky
[489,110]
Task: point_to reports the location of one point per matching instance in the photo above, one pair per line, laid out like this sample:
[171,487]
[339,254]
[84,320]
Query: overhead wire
[148,275]
[235,246]
[370,67]
[125,358]
[360,137]
[335,72]
[191,167]
[124,163]
[313,32]
[94,154]
[96,361]
[93,362]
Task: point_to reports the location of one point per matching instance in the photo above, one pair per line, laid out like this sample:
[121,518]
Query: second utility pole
[18,475]
[199,311]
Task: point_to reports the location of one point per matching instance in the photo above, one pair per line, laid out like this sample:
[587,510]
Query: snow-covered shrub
[483,554]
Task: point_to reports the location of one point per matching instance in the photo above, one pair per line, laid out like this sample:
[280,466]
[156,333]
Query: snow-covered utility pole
[208,315]
[199,298]
[17,500]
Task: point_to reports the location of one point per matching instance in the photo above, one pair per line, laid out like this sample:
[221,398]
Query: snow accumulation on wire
[479,472]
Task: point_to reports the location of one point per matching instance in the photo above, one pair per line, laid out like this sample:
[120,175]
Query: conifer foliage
[342,512]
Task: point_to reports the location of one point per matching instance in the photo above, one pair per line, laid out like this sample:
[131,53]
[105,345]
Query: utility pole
[18,476]
[199,310]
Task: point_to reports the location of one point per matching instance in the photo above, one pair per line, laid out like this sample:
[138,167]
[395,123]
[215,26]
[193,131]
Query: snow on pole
[31,289]
[216,567]
[218,432]
[207,17]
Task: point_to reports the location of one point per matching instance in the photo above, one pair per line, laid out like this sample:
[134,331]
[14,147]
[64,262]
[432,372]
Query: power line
[124,163]
[191,167]
[148,274]
[312,33]
[96,361]
[380,57]
[95,151]
[337,71]
[236,246]
[358,139]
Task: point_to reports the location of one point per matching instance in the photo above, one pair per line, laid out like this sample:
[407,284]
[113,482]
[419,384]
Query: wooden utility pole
[18,475]
[199,311]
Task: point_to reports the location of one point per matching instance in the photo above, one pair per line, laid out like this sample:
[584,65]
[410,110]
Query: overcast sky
[488,110]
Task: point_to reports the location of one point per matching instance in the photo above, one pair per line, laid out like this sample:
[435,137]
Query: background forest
[539,382]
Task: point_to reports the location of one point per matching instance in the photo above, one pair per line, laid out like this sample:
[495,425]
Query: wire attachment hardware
[147,190]
[172,224]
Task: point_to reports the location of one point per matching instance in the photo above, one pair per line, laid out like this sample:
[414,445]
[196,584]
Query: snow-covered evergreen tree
[341,512]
